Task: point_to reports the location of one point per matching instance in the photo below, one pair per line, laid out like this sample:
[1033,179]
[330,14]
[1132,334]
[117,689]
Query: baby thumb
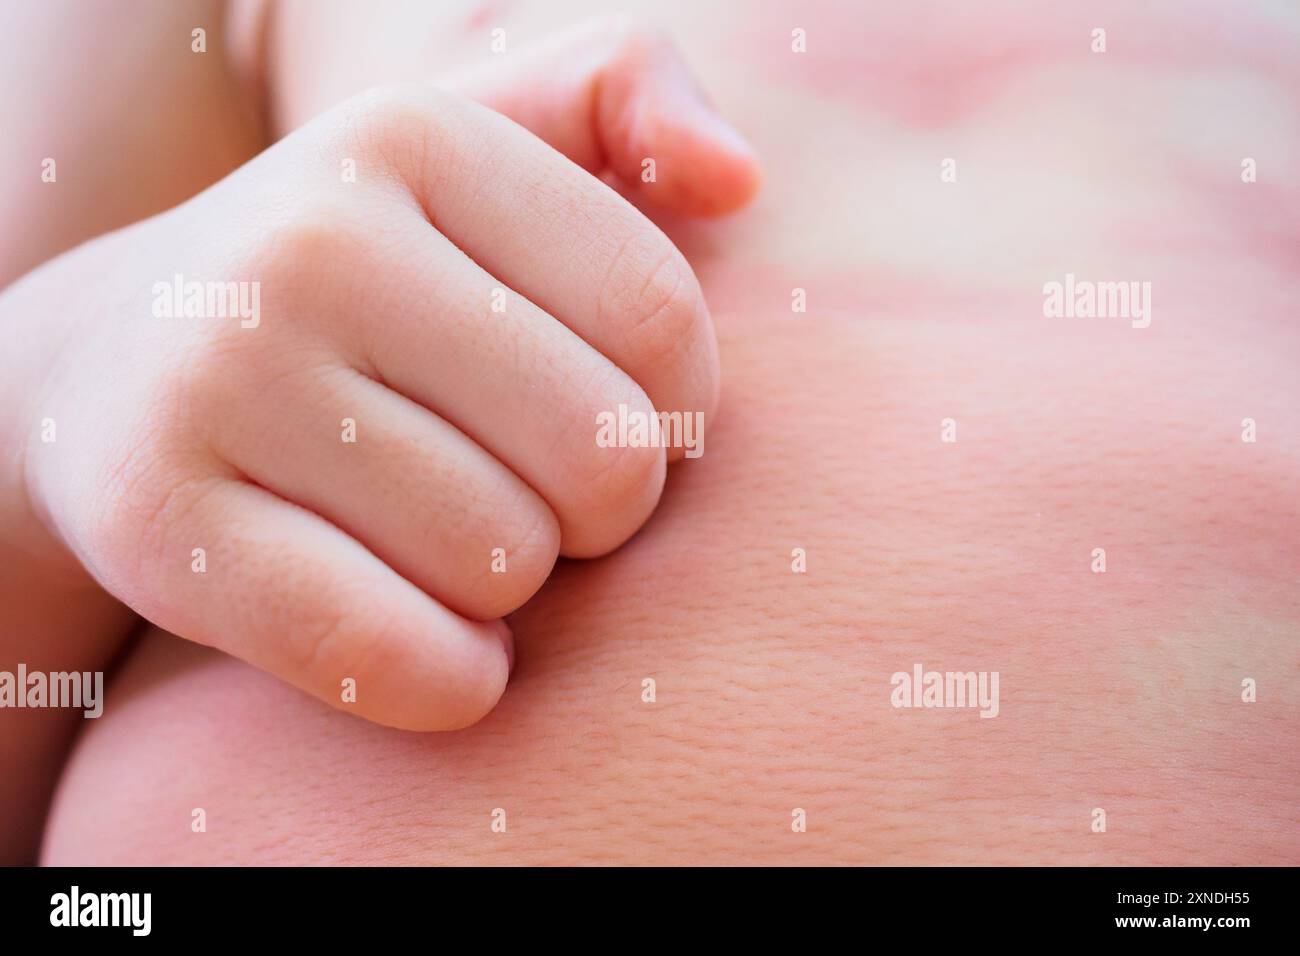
[614,95]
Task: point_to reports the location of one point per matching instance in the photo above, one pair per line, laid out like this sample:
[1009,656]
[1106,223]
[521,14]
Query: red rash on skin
[1119,690]
[930,64]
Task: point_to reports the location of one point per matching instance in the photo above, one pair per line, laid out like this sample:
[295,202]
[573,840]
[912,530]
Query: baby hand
[337,415]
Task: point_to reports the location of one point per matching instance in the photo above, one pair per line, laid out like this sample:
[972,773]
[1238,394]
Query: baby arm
[86,149]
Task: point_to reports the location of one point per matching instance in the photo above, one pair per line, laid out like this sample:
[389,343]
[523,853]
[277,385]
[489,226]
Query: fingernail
[725,134]
[718,128]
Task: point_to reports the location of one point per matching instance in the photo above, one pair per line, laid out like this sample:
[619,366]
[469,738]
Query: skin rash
[1119,691]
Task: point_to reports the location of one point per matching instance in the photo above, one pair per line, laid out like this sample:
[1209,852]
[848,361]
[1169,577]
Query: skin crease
[1119,691]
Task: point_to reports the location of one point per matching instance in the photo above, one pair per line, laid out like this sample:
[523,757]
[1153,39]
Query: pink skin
[1119,691]
[931,64]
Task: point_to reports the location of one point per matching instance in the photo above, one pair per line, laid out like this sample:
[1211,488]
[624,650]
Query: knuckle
[384,113]
[613,477]
[404,127]
[657,299]
[143,521]
[622,475]
[315,628]
[316,267]
[533,543]
[236,377]
[316,241]
[326,646]
[347,634]
[529,549]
